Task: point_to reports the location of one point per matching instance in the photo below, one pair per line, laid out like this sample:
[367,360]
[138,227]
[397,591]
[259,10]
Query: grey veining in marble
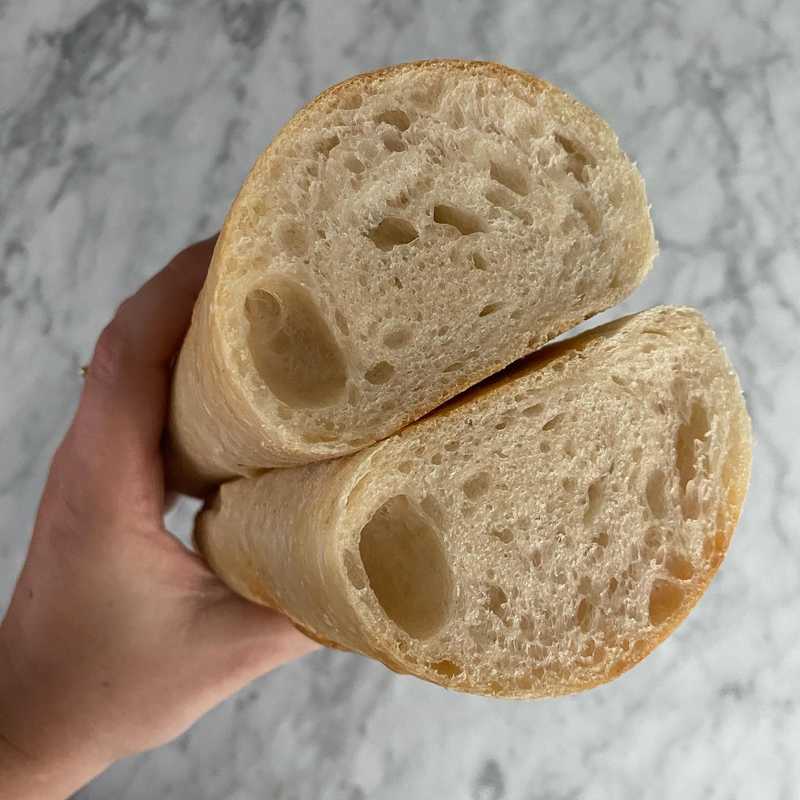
[126,127]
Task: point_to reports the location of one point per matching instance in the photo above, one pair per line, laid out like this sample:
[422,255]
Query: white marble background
[126,127]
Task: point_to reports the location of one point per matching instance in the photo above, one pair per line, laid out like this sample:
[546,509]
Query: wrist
[39,758]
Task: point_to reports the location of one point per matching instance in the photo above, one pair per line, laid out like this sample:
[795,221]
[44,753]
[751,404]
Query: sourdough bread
[408,233]
[538,536]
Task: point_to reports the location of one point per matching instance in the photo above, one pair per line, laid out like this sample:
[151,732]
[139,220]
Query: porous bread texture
[538,536]
[407,234]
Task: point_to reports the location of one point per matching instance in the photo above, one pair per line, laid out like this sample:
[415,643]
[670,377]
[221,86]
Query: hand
[118,637]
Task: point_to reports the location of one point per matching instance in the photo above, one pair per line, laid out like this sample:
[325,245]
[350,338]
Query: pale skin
[118,637]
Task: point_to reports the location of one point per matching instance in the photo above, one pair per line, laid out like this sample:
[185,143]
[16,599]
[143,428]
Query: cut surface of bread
[537,536]
[407,234]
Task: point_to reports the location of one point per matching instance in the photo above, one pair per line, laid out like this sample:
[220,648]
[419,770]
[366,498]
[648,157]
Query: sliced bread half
[407,234]
[538,536]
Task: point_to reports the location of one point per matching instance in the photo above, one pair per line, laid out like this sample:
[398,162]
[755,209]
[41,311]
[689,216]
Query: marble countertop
[126,126]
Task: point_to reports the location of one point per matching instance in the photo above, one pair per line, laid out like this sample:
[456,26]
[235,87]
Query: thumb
[250,640]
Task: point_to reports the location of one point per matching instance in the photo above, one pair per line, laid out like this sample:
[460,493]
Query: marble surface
[126,127]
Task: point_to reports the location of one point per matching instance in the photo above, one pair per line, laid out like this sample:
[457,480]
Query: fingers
[118,425]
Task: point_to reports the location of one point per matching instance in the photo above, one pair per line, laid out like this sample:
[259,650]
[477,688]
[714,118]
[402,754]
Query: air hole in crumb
[679,566]
[477,485]
[665,600]
[436,459]
[655,493]
[500,198]
[544,447]
[479,262]
[354,164]
[393,141]
[509,176]
[399,337]
[534,410]
[327,144]
[379,373]
[654,332]
[497,603]
[451,446]
[391,232]
[601,539]
[490,308]
[613,583]
[407,568]
[583,615]
[577,159]
[503,534]
[569,484]
[455,366]
[405,467]
[446,668]
[292,347]
[536,558]
[395,117]
[552,422]
[594,501]
[464,221]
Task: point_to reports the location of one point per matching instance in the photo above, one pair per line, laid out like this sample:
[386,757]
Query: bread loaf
[407,234]
[538,536]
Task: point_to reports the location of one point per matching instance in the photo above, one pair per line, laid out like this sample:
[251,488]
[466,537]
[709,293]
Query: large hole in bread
[407,567]
[464,221]
[391,232]
[293,349]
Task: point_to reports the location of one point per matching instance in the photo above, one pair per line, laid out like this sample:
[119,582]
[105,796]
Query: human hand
[118,637]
